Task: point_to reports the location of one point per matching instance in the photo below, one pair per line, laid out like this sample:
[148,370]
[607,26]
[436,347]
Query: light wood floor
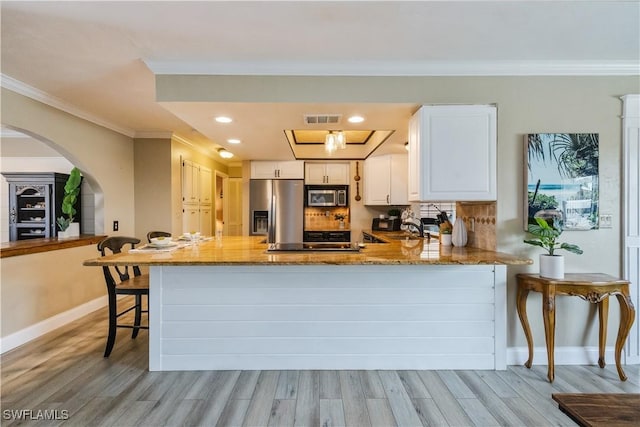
[65,371]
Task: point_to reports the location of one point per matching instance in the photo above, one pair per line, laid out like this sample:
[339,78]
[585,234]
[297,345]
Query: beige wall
[36,287]
[152,158]
[525,105]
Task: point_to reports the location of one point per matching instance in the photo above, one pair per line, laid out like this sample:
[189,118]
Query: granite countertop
[242,250]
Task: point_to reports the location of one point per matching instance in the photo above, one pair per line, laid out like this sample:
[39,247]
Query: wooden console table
[593,287]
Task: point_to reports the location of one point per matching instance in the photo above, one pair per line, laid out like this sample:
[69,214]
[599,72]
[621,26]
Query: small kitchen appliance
[326,195]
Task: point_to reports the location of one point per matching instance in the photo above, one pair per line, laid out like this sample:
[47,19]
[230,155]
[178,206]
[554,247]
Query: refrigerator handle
[272,221]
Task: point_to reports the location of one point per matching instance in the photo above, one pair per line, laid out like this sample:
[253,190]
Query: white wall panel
[328,317]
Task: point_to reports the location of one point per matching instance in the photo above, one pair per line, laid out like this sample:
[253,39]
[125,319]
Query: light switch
[606,221]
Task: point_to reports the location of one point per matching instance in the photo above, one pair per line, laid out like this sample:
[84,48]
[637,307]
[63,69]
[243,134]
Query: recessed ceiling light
[223,119]
[355,119]
[233,141]
[225,154]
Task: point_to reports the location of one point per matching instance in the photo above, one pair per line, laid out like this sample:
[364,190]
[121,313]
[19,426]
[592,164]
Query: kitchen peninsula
[406,304]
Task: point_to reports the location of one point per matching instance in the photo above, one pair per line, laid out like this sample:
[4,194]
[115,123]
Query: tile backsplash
[324,218]
[480,219]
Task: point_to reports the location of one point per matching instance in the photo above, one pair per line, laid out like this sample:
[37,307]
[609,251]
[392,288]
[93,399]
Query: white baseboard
[562,355]
[34,331]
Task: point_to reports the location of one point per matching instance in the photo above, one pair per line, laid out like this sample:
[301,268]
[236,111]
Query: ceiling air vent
[321,119]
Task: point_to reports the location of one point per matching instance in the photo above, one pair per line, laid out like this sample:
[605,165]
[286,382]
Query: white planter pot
[552,266]
[445,239]
[73,230]
[62,235]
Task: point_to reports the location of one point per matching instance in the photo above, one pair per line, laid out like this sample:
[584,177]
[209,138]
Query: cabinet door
[413,163]
[337,173]
[315,174]
[263,170]
[235,207]
[377,172]
[398,180]
[290,170]
[458,153]
[190,219]
[189,182]
[205,186]
[205,220]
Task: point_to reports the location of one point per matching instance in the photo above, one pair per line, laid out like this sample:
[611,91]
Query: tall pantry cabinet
[196,198]
[35,201]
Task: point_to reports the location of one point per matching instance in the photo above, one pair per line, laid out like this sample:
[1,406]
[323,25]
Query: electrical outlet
[606,221]
[115,225]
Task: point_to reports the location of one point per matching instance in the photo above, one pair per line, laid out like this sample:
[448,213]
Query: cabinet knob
[387,199]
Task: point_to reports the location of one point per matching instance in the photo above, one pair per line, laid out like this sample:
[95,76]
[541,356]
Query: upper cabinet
[385,180]
[205,186]
[190,178]
[277,170]
[453,153]
[326,173]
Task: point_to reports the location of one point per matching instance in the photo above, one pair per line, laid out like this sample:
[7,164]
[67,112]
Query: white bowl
[161,241]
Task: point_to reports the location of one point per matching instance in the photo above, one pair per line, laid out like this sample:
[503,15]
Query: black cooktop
[319,246]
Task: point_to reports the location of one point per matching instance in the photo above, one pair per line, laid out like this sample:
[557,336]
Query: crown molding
[38,95]
[153,135]
[401,68]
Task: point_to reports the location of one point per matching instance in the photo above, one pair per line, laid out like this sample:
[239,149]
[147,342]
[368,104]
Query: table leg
[521,306]
[627,316]
[549,316]
[603,315]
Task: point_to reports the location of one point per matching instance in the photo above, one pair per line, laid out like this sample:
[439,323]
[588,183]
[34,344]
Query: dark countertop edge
[34,246]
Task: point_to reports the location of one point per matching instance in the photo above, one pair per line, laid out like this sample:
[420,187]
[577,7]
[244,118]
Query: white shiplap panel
[330,296]
[416,312]
[202,329]
[313,276]
[328,345]
[329,317]
[324,361]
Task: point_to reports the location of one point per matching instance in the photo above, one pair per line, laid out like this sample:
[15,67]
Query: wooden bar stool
[137,285]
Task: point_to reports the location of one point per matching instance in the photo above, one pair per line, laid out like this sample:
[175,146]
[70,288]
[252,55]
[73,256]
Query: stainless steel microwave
[326,195]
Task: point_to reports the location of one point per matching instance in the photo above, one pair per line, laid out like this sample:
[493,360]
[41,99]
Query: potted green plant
[340,217]
[393,213]
[546,236]
[71,191]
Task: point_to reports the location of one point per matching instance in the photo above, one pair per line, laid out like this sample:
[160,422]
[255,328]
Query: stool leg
[138,313]
[603,315]
[113,319]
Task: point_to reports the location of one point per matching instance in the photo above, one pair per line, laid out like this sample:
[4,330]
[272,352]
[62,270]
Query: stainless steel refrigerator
[276,207]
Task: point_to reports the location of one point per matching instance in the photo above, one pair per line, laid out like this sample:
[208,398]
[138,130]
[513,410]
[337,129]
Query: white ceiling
[95,58]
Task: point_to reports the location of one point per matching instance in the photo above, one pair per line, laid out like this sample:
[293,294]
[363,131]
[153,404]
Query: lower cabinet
[190,219]
[197,218]
[327,236]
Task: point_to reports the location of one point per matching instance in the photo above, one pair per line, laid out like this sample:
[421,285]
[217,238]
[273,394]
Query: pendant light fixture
[335,140]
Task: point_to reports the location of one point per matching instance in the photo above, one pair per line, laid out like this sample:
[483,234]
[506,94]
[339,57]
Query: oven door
[321,198]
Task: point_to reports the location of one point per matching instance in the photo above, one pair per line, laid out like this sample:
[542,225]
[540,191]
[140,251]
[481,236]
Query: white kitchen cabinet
[190,180]
[277,170]
[385,180]
[334,173]
[453,153]
[190,218]
[205,177]
[206,220]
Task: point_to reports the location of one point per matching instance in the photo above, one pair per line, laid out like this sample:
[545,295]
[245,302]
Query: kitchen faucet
[416,224]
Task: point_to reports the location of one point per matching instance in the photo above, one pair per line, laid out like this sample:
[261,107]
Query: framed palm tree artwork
[561,178]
